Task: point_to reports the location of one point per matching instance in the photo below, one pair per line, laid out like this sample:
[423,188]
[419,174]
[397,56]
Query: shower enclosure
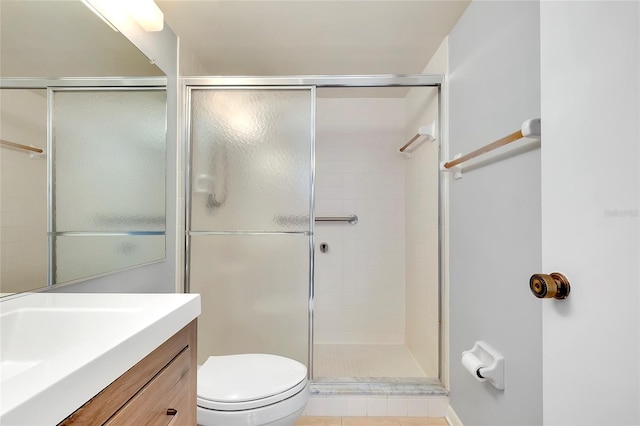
[254,225]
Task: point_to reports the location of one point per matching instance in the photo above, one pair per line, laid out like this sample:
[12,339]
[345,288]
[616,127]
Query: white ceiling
[300,37]
[52,38]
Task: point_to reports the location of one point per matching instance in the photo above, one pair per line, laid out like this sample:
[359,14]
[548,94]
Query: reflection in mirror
[58,39]
[53,38]
[23,190]
[109,154]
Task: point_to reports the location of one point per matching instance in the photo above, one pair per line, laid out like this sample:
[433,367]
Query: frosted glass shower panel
[255,294]
[251,159]
[82,256]
[109,151]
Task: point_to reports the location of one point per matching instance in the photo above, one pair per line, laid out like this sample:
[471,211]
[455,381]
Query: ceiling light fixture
[144,12]
[147,14]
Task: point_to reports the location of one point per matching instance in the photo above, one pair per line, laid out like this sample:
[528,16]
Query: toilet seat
[247,381]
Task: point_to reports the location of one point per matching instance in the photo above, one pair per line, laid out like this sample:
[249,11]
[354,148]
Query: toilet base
[287,421]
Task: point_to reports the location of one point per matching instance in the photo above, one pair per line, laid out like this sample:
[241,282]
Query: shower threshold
[370,369]
[409,386]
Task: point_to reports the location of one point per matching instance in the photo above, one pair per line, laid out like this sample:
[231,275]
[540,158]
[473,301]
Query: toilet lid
[248,380]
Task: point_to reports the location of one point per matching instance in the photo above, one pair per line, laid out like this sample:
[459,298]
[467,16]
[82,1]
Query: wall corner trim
[452,418]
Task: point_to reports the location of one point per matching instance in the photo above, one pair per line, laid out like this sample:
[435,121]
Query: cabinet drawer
[169,390]
[115,397]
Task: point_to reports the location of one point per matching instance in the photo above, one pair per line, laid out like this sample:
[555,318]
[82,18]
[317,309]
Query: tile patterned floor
[372,421]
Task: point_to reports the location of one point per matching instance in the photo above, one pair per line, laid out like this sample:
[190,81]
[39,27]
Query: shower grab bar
[20,146]
[531,128]
[352,219]
[428,131]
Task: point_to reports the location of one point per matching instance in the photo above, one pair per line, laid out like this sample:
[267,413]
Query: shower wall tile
[329,165]
[329,179]
[438,406]
[417,407]
[357,406]
[377,406]
[360,289]
[336,406]
[421,210]
[397,406]
[316,406]
[328,192]
[329,155]
[367,405]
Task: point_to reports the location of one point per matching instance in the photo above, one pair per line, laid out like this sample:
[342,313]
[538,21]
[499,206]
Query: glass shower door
[249,225]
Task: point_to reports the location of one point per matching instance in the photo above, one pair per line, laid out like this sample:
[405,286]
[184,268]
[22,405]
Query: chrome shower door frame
[313,82]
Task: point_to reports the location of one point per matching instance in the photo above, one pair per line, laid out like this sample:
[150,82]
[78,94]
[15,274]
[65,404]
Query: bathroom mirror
[101,221]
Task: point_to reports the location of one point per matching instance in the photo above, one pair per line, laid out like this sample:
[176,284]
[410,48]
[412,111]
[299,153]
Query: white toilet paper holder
[485,364]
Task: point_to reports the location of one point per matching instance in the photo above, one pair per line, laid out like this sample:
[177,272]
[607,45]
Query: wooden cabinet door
[163,400]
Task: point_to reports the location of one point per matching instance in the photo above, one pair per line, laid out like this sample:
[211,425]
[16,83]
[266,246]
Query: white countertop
[59,350]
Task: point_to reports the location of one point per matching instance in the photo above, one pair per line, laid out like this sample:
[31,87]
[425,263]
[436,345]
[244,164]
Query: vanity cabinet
[158,390]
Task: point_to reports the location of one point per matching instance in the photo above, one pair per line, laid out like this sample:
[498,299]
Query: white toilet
[251,390]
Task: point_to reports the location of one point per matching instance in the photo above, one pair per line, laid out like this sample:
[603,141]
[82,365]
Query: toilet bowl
[251,390]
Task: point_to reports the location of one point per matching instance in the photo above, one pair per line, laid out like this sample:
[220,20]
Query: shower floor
[364,361]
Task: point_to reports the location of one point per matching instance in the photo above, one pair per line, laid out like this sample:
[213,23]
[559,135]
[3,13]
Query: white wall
[421,204]
[495,220]
[190,64]
[360,282]
[23,191]
[590,70]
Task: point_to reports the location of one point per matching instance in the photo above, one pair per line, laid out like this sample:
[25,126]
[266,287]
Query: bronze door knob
[554,285]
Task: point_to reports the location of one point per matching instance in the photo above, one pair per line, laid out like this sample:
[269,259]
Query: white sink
[57,351]
[57,330]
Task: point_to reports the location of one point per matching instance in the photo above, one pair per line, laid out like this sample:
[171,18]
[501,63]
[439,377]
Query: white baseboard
[452,418]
